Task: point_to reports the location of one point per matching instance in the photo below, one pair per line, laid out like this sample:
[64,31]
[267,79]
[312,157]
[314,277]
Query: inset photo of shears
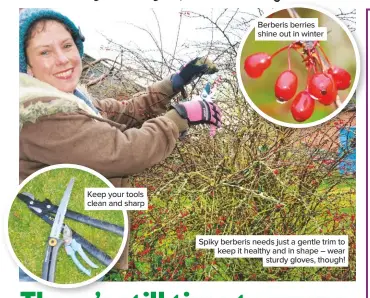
[87,256]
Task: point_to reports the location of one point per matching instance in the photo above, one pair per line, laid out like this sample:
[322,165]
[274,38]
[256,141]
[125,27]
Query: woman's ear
[29,70]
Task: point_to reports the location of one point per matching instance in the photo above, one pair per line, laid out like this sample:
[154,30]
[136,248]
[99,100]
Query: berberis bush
[252,178]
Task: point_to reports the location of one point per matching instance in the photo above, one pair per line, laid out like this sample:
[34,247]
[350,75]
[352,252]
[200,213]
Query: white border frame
[261,289]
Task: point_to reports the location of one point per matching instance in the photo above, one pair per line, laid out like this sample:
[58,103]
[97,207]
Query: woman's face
[53,56]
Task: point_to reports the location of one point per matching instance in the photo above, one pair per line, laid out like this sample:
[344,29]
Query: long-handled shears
[54,242]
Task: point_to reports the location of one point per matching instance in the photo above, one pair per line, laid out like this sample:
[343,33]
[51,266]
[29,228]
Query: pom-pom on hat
[28,16]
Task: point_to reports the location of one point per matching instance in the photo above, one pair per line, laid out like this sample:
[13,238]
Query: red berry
[256,64]
[286,85]
[323,87]
[302,106]
[341,77]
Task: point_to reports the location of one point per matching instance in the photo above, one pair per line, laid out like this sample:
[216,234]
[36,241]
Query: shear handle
[50,260]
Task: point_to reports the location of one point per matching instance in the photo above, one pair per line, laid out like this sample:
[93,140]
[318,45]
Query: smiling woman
[59,123]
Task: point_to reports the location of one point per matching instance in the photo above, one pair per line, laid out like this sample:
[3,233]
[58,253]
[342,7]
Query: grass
[346,190]
[28,233]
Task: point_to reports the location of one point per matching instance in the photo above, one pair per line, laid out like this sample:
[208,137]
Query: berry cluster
[323,79]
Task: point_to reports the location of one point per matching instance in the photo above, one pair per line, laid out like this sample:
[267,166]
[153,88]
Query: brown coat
[57,127]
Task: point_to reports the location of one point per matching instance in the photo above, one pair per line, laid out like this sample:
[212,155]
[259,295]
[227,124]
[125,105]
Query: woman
[61,124]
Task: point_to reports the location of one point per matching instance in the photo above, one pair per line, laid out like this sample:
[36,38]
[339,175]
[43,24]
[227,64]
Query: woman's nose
[61,57]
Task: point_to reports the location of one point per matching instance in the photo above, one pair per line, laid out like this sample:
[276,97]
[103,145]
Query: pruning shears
[72,241]
[72,246]
[54,242]
[208,94]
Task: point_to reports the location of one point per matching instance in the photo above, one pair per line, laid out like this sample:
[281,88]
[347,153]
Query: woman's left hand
[192,70]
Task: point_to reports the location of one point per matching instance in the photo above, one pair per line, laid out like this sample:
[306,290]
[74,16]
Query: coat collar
[38,99]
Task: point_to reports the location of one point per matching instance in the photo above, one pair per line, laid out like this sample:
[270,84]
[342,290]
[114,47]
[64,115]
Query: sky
[118,26]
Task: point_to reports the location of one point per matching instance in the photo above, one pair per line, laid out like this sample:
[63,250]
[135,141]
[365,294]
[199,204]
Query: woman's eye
[43,53]
[68,45]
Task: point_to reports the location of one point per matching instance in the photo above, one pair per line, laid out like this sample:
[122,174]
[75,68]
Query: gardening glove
[199,112]
[192,70]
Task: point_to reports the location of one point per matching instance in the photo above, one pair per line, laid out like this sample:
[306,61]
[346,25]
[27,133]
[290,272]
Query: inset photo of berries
[294,82]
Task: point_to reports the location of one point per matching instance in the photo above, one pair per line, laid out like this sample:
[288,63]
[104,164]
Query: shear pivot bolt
[52,242]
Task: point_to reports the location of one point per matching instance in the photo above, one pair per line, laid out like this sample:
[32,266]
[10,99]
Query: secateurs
[72,241]
[72,246]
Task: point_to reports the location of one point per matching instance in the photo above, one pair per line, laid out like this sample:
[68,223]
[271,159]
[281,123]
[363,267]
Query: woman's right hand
[199,112]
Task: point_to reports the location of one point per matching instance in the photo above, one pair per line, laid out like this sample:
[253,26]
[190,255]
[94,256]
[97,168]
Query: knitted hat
[28,16]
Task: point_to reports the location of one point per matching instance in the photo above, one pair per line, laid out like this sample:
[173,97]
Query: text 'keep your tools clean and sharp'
[116,199]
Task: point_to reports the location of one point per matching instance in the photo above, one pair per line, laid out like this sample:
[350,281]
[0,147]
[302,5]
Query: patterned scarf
[87,100]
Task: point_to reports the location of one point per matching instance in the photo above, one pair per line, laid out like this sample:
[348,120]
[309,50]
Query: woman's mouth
[64,75]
